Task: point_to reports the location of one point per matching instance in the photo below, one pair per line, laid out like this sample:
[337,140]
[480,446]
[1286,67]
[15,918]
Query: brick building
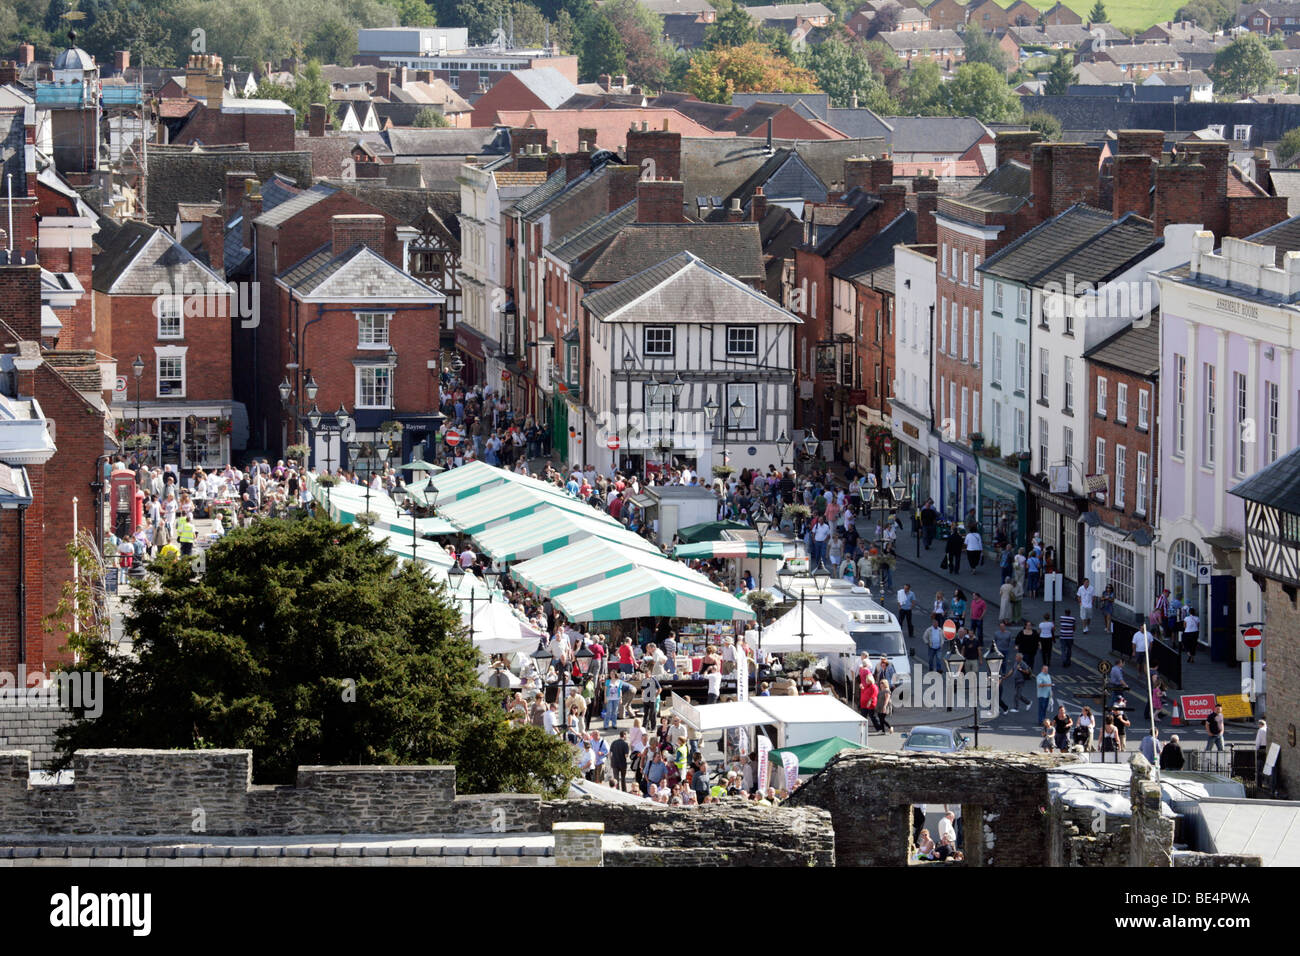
[265,125]
[52,442]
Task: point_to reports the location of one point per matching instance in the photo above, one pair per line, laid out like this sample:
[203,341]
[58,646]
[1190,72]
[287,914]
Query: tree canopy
[1288,146]
[1098,13]
[1243,68]
[716,74]
[981,47]
[304,641]
[1061,75]
[843,71]
[310,87]
[979,90]
[600,49]
[733,26]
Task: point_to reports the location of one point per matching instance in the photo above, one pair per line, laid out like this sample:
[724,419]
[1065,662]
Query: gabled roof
[732,247]
[1005,189]
[357,274]
[290,207]
[877,256]
[1088,243]
[611,126]
[861,204]
[547,84]
[815,104]
[681,289]
[447,142]
[1276,485]
[935,134]
[1135,348]
[788,11]
[1284,237]
[542,194]
[708,115]
[138,259]
[1142,53]
[582,240]
[922,40]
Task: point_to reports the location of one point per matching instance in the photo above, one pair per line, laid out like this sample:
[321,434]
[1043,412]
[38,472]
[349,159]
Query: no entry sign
[950,629]
[453,437]
[1252,636]
[1197,706]
[613,443]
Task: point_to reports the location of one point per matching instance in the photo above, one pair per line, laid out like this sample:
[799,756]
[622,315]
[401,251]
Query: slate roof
[547,84]
[1285,237]
[684,30]
[732,247]
[329,153]
[664,7]
[447,142]
[1143,53]
[138,258]
[289,208]
[582,240]
[542,194]
[788,11]
[358,273]
[1085,242]
[236,254]
[685,289]
[1134,348]
[935,134]
[348,75]
[1100,73]
[1005,189]
[876,258]
[861,205]
[1276,485]
[408,206]
[709,115]
[898,40]
[79,367]
[816,104]
[1286,182]
[182,174]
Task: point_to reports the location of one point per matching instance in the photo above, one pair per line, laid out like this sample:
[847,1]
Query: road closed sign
[1197,706]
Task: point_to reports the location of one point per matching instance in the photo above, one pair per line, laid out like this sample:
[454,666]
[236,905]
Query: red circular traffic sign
[888,445]
[453,437]
[1252,636]
[505,375]
[613,443]
[950,629]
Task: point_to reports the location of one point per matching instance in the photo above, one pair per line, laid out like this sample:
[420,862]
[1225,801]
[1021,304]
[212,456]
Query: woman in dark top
[1063,722]
[1027,642]
[953,551]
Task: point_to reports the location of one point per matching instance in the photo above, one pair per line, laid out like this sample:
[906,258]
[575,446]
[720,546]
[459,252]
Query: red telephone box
[128,503]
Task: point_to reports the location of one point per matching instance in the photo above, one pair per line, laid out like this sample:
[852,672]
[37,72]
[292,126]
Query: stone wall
[143,792]
[869,795]
[28,728]
[722,834]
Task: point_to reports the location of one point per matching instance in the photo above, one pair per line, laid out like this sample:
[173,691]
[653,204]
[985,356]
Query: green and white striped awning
[642,592]
[549,530]
[730,549]
[456,484]
[588,561]
[507,502]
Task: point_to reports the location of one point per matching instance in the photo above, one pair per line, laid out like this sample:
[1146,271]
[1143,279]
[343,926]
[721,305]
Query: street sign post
[1053,587]
[1252,636]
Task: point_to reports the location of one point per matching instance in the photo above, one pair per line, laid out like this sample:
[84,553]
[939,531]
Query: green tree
[1045,123]
[149,40]
[1098,13]
[841,70]
[600,49]
[732,27]
[333,41]
[1276,41]
[412,13]
[979,90]
[1061,75]
[715,74]
[429,118]
[642,31]
[1243,67]
[304,641]
[981,47]
[1289,146]
[310,87]
[924,83]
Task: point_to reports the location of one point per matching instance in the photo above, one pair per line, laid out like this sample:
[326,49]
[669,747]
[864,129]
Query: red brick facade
[1121,428]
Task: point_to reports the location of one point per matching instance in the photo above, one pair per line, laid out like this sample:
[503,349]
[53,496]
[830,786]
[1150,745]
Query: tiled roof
[1276,485]
[195,211]
[1284,237]
[447,142]
[878,254]
[511,177]
[1138,53]
[78,366]
[788,11]
[176,107]
[1087,242]
[183,174]
[542,194]
[935,134]
[1134,348]
[816,104]
[291,207]
[611,126]
[862,204]
[139,258]
[1286,182]
[684,289]
[1005,189]
[408,206]
[358,273]
[732,247]
[329,153]
[582,240]
[922,40]
[547,84]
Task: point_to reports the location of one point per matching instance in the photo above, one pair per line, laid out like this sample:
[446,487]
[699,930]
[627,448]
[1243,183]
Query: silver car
[934,740]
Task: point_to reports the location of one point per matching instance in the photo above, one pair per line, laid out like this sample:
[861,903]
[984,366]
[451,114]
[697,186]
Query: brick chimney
[927,203]
[8,72]
[1262,168]
[620,81]
[316,122]
[214,241]
[588,136]
[575,164]
[383,83]
[1214,209]
[894,197]
[1131,185]
[522,138]
[1062,174]
[758,205]
[235,182]
[424,76]
[351,230]
[20,301]
[1148,142]
[26,54]
[121,61]
[867,173]
[1015,144]
[662,146]
[622,185]
[252,209]
[603,81]
[399,78]
[659,200]
[1180,188]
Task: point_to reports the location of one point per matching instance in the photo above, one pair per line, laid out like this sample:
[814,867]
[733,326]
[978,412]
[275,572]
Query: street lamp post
[811,445]
[762,525]
[629,363]
[456,574]
[821,577]
[137,369]
[783,447]
[954,662]
[994,661]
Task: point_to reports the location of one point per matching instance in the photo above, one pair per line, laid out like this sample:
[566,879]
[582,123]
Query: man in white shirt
[1191,633]
[1141,640]
[974,548]
[714,678]
[559,648]
[906,601]
[549,722]
[1085,593]
[947,828]
[467,558]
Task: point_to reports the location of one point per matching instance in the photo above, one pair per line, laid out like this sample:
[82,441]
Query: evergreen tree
[1098,13]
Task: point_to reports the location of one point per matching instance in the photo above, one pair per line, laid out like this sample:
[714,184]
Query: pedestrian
[959,607]
[885,706]
[1106,605]
[651,689]
[952,552]
[906,602]
[1084,730]
[940,608]
[1171,756]
[713,678]
[1006,562]
[1085,594]
[1062,723]
[1046,632]
[974,549]
[1027,642]
[929,522]
[970,650]
[978,608]
[1005,591]
[868,697]
[601,750]
[1033,567]
[1214,729]
[1191,633]
[1043,683]
[1141,641]
[1151,747]
[1065,628]
[934,641]
[1020,673]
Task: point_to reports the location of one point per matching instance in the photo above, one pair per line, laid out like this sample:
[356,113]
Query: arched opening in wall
[944,834]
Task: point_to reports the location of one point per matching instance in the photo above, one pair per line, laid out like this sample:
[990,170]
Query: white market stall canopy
[499,630]
[426,552]
[642,592]
[549,530]
[588,561]
[820,635]
[720,716]
[507,502]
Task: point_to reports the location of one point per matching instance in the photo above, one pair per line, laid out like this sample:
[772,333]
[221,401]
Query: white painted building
[911,404]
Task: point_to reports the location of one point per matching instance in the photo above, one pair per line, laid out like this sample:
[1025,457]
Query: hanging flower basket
[723,471]
[138,441]
[391,427]
[367,518]
[761,600]
[225,426]
[297,453]
[797,512]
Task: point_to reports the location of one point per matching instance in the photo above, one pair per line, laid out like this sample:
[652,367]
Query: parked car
[934,740]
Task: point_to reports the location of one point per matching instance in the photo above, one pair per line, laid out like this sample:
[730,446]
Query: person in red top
[598,656]
[977,608]
[868,696]
[626,663]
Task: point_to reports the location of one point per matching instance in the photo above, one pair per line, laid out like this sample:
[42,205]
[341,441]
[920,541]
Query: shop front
[958,482]
[912,447]
[1003,506]
[1056,517]
[179,439]
[471,345]
[1124,561]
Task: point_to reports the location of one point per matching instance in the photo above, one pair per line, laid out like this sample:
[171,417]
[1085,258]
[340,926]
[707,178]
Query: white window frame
[752,331]
[1121,474]
[171,307]
[747,392]
[1022,366]
[965,412]
[943,260]
[997,298]
[1044,445]
[1101,395]
[976,342]
[1024,304]
[1140,494]
[943,325]
[997,359]
[170,352]
[965,267]
[1274,410]
[965,333]
[1044,360]
[975,271]
[661,352]
[996,412]
[1121,403]
[1100,458]
[1021,426]
[1210,410]
[357,392]
[1242,401]
[1067,449]
[1180,405]
[371,343]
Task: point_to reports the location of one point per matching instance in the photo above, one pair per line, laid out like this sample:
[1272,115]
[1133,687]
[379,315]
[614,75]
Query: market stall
[549,530]
[588,561]
[642,592]
[505,503]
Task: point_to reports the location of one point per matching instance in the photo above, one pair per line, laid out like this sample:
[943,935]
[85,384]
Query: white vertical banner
[791,764]
[742,678]
[764,763]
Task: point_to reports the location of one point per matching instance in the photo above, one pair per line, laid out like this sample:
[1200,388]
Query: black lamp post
[762,525]
[994,661]
[954,662]
[710,419]
[137,369]
[456,575]
[735,412]
[629,363]
[783,447]
[821,577]
[811,445]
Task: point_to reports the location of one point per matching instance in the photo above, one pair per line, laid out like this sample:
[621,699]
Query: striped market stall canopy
[588,561]
[507,502]
[456,484]
[642,592]
[730,549]
[549,530]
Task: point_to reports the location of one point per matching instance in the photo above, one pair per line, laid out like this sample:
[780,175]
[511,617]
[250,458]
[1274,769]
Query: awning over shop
[642,592]
[708,531]
[549,530]
[814,757]
[588,561]
[507,502]
[730,549]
